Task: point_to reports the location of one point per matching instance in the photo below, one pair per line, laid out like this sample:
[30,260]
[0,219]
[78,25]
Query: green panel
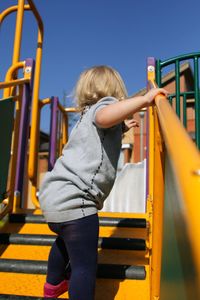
[175,62]
[178,278]
[6,127]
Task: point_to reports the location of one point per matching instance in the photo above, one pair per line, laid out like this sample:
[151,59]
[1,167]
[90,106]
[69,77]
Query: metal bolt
[196,172]
[28,70]
[151,68]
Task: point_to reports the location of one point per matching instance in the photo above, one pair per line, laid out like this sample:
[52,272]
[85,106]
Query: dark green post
[197,104]
[185,110]
[158,73]
[177,87]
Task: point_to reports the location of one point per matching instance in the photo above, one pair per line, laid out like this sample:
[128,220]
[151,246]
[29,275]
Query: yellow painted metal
[122,215]
[151,152]
[71,109]
[150,183]
[29,252]
[18,32]
[114,289]
[158,206]
[44,102]
[64,125]
[10,10]
[185,161]
[32,285]
[109,288]
[10,75]
[156,195]
[37,15]
[105,256]
[64,130]
[34,197]
[34,134]
[61,108]
[22,284]
[12,83]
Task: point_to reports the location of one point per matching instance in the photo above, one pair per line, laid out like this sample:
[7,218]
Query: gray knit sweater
[84,174]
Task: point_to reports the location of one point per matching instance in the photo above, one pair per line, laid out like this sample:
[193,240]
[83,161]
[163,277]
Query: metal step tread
[108,271]
[47,240]
[103,221]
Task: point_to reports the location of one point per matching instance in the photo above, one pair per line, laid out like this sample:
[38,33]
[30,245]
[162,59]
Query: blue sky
[119,33]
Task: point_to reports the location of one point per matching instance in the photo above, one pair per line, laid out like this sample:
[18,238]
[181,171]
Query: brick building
[137,137]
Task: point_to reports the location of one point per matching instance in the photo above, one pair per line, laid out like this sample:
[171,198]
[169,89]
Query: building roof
[185,69]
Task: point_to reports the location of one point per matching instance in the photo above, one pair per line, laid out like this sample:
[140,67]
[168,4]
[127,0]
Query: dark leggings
[75,249]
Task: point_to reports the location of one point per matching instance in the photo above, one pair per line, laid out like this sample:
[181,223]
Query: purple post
[151,63]
[53,133]
[24,128]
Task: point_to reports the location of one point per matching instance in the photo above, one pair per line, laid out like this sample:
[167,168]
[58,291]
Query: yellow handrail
[13,83]
[18,32]
[10,75]
[44,102]
[186,166]
[155,196]
[10,10]
[185,162]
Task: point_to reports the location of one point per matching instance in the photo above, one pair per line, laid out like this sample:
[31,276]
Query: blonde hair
[96,83]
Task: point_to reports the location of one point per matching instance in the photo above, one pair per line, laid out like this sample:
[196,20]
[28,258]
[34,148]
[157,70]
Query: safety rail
[160,65]
[11,79]
[22,98]
[167,137]
[58,137]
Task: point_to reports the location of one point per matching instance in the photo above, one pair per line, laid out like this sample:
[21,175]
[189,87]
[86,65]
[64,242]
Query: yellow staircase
[123,266]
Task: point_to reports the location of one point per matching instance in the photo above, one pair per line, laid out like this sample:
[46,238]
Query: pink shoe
[54,291]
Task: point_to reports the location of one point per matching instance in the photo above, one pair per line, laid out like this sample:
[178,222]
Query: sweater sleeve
[100,104]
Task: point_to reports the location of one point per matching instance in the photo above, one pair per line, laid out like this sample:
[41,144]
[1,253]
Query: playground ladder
[123,267]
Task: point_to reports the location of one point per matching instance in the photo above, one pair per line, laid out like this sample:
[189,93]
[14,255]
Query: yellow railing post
[158,206]
[34,134]
[156,192]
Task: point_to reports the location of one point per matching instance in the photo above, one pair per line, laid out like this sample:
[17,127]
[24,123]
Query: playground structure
[130,244]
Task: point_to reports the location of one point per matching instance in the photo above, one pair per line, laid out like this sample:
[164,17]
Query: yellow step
[32,285]
[111,289]
[23,284]
[106,256]
[104,231]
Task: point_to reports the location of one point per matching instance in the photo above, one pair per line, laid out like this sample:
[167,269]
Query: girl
[73,192]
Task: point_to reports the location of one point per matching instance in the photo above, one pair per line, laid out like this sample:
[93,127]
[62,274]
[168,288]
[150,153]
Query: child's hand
[130,123]
[150,96]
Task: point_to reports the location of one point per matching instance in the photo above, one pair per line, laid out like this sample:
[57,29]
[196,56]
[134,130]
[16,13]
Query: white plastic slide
[128,192]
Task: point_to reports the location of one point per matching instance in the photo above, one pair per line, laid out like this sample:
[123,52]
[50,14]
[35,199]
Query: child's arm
[115,113]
